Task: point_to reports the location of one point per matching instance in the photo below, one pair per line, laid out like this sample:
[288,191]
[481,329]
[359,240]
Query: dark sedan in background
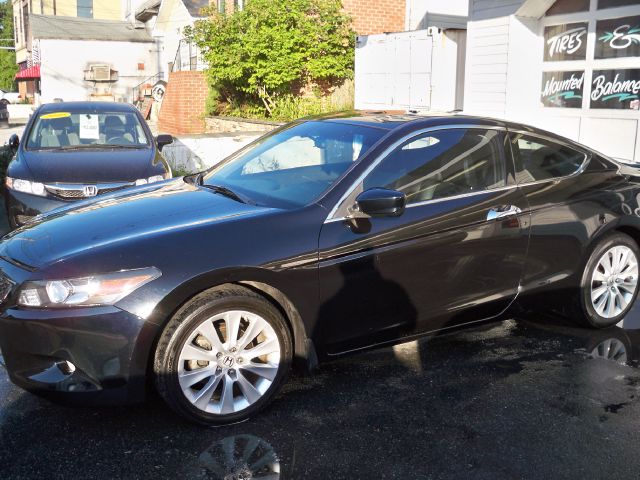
[320,239]
[78,150]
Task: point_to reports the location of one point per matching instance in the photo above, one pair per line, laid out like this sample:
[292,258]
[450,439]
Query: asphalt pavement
[517,399]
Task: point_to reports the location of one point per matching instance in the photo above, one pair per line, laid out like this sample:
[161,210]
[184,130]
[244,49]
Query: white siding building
[569,66]
[88,59]
[419,69]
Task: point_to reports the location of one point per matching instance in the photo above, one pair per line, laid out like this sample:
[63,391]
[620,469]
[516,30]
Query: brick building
[376,16]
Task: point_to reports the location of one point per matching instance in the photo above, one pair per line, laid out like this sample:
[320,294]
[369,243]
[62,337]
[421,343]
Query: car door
[566,208]
[455,255]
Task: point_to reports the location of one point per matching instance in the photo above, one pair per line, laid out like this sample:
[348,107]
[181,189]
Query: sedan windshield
[67,130]
[292,167]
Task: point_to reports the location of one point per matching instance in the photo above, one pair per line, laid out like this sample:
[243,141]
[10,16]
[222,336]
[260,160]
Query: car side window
[442,164]
[539,159]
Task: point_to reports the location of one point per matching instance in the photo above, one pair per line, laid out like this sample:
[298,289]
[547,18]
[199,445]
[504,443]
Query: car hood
[80,166]
[133,214]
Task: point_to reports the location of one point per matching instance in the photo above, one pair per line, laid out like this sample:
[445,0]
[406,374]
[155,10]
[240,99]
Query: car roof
[395,120]
[391,120]
[84,106]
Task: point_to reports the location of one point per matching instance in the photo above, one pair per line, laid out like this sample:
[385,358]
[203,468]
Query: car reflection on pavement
[535,397]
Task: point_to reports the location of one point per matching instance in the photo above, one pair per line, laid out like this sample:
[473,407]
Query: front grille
[71,194]
[5,287]
[76,192]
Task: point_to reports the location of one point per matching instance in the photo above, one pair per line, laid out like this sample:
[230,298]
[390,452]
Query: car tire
[609,284]
[212,377]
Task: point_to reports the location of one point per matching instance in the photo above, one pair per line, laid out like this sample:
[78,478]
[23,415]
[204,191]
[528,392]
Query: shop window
[568,6]
[442,164]
[616,3]
[539,160]
[618,37]
[616,89]
[562,89]
[85,8]
[565,42]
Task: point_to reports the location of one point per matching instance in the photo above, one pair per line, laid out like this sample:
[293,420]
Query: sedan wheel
[610,281]
[229,362]
[223,356]
[614,281]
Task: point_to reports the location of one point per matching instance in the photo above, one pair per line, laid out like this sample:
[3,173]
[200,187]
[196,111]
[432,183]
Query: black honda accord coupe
[78,150]
[320,239]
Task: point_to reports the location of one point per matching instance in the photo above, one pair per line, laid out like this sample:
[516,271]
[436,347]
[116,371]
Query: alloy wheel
[614,281]
[610,349]
[229,362]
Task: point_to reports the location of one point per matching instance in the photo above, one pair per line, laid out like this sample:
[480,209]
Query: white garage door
[393,71]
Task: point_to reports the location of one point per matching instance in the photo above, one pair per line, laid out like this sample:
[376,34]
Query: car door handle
[503,212]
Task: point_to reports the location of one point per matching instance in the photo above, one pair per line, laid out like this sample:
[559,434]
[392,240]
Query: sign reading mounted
[617,89]
[562,89]
[565,42]
[618,37]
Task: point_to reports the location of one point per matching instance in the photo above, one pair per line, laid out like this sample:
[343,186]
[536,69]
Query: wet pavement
[522,398]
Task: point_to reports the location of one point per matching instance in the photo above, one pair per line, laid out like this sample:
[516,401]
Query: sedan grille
[78,191]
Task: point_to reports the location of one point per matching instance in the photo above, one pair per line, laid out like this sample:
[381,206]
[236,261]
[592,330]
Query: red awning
[29,73]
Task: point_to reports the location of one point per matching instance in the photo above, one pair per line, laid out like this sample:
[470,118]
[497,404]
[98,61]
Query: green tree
[8,67]
[273,49]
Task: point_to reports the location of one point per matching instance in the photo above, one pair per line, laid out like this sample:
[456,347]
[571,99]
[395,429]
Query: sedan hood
[136,213]
[80,166]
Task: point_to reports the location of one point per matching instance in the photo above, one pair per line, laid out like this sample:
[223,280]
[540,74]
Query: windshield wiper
[226,191]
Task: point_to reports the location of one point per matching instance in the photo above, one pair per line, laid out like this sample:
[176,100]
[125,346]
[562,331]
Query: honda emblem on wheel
[90,191]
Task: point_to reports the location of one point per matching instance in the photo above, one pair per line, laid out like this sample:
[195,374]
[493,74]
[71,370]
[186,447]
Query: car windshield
[64,130]
[292,167]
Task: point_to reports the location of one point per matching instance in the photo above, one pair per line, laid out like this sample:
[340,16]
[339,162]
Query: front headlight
[154,179]
[105,289]
[26,186]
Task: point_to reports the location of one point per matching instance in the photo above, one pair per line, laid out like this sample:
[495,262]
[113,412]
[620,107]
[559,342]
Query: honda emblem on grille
[90,191]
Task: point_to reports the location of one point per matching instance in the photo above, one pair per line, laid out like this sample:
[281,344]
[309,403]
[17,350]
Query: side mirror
[163,140]
[14,142]
[380,202]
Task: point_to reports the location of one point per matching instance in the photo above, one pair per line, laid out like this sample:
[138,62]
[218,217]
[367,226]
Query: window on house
[616,3]
[221,6]
[238,5]
[85,8]
[568,6]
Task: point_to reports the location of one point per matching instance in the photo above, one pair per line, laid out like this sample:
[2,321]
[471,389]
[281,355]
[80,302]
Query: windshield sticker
[52,116]
[89,127]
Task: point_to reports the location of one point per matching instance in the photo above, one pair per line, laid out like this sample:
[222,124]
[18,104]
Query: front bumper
[87,356]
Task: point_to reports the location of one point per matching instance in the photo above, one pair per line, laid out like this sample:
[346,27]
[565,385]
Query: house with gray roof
[90,59]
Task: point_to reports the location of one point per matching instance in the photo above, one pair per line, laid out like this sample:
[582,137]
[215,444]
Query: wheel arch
[305,357]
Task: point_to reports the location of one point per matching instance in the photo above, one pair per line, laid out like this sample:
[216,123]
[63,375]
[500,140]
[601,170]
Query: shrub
[6,155]
[261,58]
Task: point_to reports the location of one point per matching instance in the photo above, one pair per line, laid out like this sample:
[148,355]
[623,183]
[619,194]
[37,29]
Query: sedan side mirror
[381,202]
[163,140]
[14,142]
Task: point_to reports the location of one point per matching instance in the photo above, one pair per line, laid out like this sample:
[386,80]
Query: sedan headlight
[154,179]
[25,186]
[105,289]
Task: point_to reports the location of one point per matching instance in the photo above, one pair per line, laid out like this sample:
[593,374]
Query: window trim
[332,214]
[585,163]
